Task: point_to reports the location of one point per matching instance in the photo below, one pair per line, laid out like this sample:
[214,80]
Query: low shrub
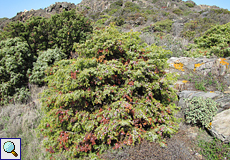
[119,21]
[221,11]
[132,7]
[177,11]
[200,111]
[214,41]
[163,26]
[190,5]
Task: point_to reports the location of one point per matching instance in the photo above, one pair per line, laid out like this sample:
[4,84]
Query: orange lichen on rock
[223,62]
[197,65]
[179,66]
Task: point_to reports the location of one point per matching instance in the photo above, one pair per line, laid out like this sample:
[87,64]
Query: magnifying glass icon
[9,147]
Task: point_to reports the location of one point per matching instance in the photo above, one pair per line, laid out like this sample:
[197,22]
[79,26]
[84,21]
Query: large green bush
[15,60]
[68,28]
[33,31]
[61,30]
[116,96]
[45,59]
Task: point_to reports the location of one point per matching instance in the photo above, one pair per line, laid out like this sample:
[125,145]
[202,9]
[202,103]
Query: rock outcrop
[220,126]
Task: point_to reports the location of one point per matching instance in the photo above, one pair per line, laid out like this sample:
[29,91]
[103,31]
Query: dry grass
[20,120]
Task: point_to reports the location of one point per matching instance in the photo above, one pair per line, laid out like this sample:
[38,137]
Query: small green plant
[111,12]
[190,5]
[189,34]
[132,7]
[119,21]
[177,11]
[220,86]
[200,86]
[200,111]
[215,149]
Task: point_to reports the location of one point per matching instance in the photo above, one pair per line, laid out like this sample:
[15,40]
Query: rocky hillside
[176,17]
[47,12]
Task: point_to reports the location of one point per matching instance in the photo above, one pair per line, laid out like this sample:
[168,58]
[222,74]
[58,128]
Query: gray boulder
[220,127]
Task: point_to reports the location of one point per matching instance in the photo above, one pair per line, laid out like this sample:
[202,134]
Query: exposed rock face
[47,12]
[220,127]
[59,6]
[215,66]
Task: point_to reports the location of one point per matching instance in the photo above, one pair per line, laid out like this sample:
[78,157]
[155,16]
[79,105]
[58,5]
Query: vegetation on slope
[116,96]
[23,45]
[116,93]
[214,41]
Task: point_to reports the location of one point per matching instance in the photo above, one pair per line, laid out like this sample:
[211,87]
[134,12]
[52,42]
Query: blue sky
[10,8]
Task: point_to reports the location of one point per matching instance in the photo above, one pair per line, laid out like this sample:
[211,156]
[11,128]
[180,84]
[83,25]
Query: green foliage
[33,31]
[190,5]
[163,26]
[195,28]
[132,7]
[101,21]
[68,28]
[119,21]
[61,30]
[45,59]
[15,60]
[221,11]
[114,7]
[119,3]
[189,34]
[200,86]
[139,18]
[216,39]
[200,111]
[215,149]
[116,96]
[177,11]
[111,12]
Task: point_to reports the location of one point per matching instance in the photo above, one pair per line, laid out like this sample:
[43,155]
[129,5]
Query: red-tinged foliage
[73,74]
[101,109]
